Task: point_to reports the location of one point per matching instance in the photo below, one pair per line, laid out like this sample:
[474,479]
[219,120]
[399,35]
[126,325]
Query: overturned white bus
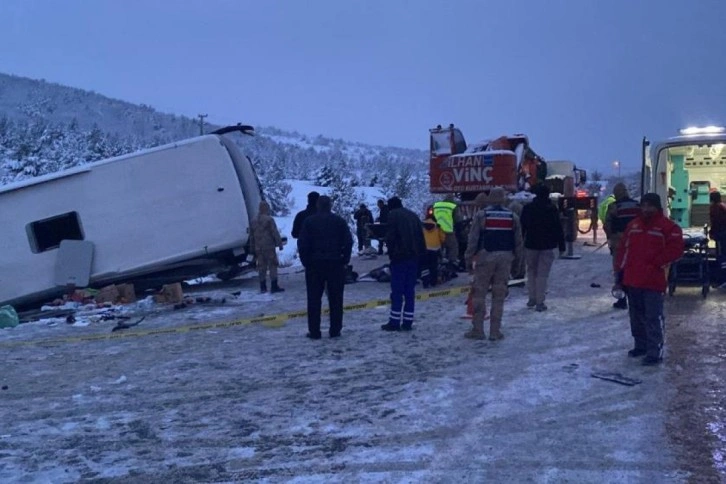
[176,211]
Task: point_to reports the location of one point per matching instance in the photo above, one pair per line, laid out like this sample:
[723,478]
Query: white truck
[174,212]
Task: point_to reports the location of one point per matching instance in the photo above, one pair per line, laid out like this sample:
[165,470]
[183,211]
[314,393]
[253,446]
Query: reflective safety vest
[602,210]
[625,211]
[498,233]
[444,214]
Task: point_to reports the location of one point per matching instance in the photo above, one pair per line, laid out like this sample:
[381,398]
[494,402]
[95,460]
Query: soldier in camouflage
[264,237]
[495,242]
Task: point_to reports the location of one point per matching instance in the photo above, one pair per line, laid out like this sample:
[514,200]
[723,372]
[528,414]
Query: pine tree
[277,191]
[325,177]
[345,199]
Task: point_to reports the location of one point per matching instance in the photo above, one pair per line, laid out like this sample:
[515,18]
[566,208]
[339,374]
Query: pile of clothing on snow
[446,271]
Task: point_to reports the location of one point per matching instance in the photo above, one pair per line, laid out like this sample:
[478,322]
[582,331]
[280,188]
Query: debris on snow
[616,377]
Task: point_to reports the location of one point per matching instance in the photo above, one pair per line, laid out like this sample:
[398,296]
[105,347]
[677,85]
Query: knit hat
[652,199]
[497,196]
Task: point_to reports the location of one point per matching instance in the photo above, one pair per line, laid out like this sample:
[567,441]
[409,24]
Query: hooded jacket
[433,235]
[264,234]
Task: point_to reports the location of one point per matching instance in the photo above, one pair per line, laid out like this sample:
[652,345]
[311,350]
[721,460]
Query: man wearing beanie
[650,243]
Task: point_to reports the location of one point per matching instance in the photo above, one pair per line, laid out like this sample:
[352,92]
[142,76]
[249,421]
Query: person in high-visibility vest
[602,209]
[445,215]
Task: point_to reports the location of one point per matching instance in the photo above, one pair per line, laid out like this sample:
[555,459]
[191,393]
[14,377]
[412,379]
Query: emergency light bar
[704,130]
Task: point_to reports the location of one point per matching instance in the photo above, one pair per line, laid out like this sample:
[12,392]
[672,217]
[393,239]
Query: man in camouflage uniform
[264,237]
[495,242]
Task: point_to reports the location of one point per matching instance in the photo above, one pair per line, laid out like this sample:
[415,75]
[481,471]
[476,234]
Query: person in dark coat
[617,216]
[363,217]
[717,232]
[406,246]
[542,231]
[382,218]
[325,245]
[303,214]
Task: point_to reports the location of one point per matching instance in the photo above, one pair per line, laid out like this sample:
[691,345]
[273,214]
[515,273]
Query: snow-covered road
[267,404]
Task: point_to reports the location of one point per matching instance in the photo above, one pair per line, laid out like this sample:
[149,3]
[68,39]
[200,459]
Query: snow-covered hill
[45,127]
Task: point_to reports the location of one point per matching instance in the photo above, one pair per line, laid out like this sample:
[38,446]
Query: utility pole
[201,123]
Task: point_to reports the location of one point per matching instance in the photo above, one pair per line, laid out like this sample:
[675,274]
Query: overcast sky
[585,79]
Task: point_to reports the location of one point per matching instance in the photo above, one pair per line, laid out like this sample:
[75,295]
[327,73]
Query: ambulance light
[704,130]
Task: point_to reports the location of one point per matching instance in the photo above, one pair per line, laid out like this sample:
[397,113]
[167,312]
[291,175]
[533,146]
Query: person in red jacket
[650,243]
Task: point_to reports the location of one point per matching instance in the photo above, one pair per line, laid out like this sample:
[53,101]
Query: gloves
[619,278]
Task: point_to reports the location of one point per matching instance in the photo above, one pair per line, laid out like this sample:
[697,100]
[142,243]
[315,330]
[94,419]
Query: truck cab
[455,167]
[684,170]
[565,178]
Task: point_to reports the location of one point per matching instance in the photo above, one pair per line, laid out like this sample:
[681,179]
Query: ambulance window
[48,233]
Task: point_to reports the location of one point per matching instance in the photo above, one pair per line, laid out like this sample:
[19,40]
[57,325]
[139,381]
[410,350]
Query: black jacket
[324,237]
[300,218]
[362,217]
[541,226]
[383,214]
[404,237]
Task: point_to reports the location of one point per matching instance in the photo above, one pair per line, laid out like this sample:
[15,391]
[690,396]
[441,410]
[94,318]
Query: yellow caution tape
[272,321]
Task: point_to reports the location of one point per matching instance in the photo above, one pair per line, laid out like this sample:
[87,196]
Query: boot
[263,286]
[496,336]
[621,304]
[476,332]
[495,331]
[275,287]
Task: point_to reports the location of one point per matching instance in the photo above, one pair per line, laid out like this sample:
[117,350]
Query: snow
[254,403]
[521,196]
[468,153]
